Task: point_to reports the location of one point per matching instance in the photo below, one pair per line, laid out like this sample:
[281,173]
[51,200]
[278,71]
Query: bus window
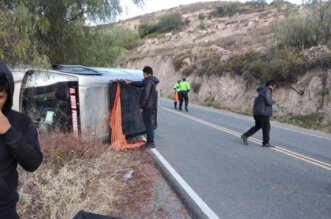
[51,100]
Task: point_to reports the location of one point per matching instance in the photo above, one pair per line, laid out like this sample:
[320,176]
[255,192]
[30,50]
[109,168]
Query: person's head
[4,89]
[148,71]
[184,79]
[178,81]
[272,84]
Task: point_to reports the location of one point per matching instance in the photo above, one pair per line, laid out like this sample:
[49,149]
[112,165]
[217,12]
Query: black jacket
[148,99]
[19,145]
[263,102]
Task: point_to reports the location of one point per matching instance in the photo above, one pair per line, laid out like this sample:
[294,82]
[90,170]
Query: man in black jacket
[18,145]
[262,111]
[148,102]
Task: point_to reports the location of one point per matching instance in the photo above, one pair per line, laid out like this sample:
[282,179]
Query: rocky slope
[225,37]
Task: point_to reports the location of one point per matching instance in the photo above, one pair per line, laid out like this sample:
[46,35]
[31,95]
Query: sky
[130,10]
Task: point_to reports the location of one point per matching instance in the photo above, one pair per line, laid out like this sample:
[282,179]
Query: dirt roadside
[77,176]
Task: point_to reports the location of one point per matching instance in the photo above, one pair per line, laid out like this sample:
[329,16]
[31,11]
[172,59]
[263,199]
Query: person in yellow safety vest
[176,94]
[184,89]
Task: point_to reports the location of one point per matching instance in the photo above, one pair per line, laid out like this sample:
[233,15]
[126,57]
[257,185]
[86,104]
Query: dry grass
[76,175]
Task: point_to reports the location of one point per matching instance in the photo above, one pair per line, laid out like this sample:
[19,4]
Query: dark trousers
[260,122]
[183,97]
[175,104]
[9,213]
[148,122]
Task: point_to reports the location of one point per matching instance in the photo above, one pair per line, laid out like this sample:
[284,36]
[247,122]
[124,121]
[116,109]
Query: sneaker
[268,145]
[244,138]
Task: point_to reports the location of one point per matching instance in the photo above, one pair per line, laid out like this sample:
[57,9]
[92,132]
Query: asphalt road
[292,180]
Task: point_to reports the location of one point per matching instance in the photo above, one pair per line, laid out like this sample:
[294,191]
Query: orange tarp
[118,140]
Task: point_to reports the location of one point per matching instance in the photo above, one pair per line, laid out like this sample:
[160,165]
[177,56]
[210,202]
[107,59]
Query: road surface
[233,180]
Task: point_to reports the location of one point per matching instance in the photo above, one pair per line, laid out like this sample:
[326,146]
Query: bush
[303,31]
[280,2]
[60,148]
[202,25]
[106,45]
[296,32]
[169,23]
[228,9]
[196,87]
[147,28]
[166,24]
[202,16]
[283,65]
[310,121]
[123,38]
[286,65]
[257,3]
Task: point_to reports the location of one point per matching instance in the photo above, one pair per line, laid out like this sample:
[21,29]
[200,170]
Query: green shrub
[124,38]
[283,65]
[169,23]
[260,69]
[228,9]
[317,121]
[202,16]
[305,30]
[147,28]
[280,2]
[257,3]
[296,32]
[195,87]
[202,25]
[166,24]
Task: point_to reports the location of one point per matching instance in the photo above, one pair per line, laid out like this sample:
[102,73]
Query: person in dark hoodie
[18,145]
[148,102]
[262,111]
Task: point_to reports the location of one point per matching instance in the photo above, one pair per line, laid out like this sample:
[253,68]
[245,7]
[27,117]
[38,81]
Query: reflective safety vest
[176,87]
[184,86]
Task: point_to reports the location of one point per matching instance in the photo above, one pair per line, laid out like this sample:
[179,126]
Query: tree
[55,29]
[17,28]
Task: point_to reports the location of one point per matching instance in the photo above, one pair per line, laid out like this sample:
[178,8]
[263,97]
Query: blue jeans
[148,122]
[183,97]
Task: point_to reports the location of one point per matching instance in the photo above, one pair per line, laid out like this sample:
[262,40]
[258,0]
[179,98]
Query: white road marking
[248,119]
[276,148]
[188,189]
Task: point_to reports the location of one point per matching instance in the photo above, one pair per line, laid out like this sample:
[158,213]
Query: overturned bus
[79,99]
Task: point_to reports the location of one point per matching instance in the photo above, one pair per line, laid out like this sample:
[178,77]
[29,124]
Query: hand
[141,110]
[4,123]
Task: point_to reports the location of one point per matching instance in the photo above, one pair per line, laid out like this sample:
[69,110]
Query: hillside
[226,49]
